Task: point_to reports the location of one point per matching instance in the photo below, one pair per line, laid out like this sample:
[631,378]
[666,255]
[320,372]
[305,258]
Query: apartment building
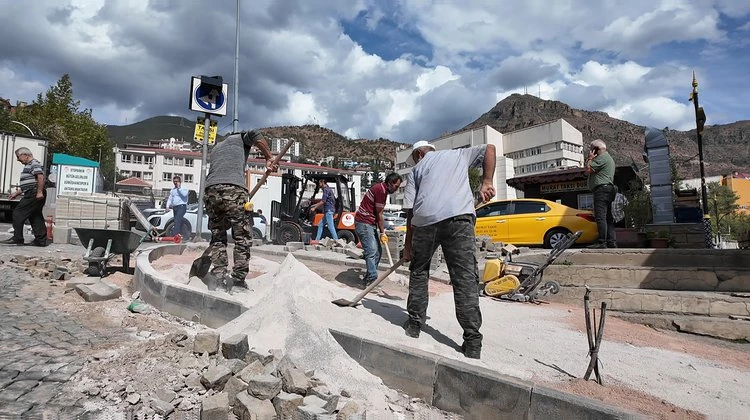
[157,166]
[536,149]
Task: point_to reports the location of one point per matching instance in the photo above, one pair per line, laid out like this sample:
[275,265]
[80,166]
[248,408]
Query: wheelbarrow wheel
[96,269]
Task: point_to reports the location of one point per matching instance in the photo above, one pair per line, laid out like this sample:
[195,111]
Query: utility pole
[235,119]
[700,121]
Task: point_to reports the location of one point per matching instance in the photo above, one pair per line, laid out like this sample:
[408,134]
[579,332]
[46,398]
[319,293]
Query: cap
[417,145]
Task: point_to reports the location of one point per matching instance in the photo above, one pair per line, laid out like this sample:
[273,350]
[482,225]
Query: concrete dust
[290,309]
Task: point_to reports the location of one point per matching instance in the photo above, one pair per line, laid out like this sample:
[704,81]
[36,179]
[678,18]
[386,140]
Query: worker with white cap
[440,207]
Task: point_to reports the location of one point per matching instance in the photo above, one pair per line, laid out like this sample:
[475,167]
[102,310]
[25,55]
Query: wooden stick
[268,171]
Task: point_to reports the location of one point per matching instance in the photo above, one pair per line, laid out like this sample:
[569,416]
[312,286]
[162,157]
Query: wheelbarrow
[104,244]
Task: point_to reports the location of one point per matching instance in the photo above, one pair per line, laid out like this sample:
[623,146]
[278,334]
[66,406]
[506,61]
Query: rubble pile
[170,374]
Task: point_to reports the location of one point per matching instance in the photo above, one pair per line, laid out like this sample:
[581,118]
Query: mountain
[155,128]
[725,147]
[319,142]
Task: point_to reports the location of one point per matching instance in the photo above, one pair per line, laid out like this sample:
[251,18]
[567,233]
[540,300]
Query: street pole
[201,186]
[24,126]
[700,120]
[235,120]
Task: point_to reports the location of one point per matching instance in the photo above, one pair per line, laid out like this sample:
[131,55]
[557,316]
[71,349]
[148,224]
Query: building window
[148,176]
[138,159]
[126,174]
[149,160]
[127,157]
[136,174]
[586,201]
[188,178]
[179,162]
[168,160]
[166,176]
[189,162]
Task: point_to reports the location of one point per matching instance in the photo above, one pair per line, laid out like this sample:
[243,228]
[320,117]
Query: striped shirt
[28,181]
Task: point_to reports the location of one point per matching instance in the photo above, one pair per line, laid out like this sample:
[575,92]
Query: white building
[157,167]
[539,148]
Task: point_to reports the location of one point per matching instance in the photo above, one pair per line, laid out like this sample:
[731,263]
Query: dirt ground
[730,354]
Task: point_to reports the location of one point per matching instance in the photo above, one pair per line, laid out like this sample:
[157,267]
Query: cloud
[402,70]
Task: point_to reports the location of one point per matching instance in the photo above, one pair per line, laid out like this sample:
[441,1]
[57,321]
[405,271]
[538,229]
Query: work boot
[599,245]
[240,283]
[39,243]
[11,241]
[411,329]
[471,351]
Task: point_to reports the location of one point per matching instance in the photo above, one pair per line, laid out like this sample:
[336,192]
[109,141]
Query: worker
[369,224]
[328,202]
[440,212]
[31,187]
[600,168]
[225,198]
[177,201]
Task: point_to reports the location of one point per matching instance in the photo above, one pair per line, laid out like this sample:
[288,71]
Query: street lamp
[24,126]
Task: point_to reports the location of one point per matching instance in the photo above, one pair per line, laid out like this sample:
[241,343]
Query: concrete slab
[548,403]
[98,292]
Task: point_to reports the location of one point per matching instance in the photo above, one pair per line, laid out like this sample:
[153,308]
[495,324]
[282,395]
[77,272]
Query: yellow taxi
[532,221]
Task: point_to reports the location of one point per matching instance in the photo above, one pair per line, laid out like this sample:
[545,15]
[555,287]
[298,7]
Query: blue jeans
[328,220]
[179,215]
[368,235]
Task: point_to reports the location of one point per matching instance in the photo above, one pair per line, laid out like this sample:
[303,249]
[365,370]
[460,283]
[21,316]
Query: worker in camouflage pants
[225,208]
[225,197]
[440,212]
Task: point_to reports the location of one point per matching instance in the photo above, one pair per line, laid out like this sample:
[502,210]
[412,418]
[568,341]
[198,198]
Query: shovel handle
[268,171]
[378,281]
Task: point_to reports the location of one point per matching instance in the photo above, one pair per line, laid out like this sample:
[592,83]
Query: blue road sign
[208,98]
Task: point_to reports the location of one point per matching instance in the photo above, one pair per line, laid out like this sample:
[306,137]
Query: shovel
[202,264]
[355,302]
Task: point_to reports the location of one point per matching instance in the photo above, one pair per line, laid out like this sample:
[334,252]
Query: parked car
[163,223]
[533,222]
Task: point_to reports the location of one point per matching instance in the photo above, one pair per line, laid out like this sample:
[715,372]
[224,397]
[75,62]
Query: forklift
[292,219]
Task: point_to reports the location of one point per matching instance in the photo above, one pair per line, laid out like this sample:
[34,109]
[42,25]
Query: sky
[403,70]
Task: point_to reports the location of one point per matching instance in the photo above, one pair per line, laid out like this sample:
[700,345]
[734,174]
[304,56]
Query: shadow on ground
[396,315]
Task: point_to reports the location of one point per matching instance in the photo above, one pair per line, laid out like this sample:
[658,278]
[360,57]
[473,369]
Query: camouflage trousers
[225,210]
[456,236]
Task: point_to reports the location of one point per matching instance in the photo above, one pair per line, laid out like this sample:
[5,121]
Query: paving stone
[215,407]
[286,404]
[42,393]
[15,390]
[206,342]
[264,387]
[235,365]
[233,387]
[295,381]
[162,408]
[235,347]
[14,409]
[99,291]
[253,369]
[216,377]
[249,407]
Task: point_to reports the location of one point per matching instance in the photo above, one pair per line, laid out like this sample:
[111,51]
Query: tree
[722,204]
[56,116]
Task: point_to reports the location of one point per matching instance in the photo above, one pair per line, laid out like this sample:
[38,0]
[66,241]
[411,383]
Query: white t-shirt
[438,186]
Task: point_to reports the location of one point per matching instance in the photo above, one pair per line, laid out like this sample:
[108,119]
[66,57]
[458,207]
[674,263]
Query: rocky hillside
[319,142]
[726,147]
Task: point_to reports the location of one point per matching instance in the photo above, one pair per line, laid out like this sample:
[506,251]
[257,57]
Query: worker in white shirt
[177,201]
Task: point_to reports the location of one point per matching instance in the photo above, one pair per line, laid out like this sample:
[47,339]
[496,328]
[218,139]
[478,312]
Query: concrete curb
[177,299]
[451,385]
[469,390]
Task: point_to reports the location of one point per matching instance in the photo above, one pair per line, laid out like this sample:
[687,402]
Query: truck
[10,167]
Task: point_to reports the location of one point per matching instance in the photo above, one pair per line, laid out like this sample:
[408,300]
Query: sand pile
[290,309]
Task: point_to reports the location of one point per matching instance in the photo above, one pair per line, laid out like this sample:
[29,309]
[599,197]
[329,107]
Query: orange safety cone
[50,225]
